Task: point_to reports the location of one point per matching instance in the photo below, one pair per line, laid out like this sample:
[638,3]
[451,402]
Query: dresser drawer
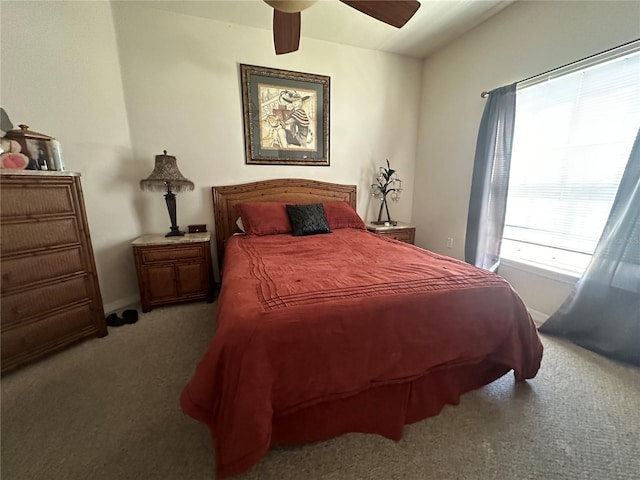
[18,201]
[153,254]
[33,339]
[23,236]
[17,307]
[20,271]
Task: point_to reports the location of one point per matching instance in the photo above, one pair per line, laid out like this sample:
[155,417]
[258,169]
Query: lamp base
[175,232]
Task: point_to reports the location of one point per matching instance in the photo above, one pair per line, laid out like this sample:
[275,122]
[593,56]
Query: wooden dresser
[50,292]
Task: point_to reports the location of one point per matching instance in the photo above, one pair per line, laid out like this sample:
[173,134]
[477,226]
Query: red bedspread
[306,320]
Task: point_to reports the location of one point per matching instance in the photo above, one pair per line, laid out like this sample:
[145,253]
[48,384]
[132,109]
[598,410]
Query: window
[572,139]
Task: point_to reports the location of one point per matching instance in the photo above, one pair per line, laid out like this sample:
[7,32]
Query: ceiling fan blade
[286,31]
[392,12]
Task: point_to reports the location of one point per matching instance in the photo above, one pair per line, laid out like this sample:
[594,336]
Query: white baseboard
[538,317]
[122,303]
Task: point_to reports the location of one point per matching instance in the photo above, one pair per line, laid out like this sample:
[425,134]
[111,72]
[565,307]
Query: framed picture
[39,153]
[286,116]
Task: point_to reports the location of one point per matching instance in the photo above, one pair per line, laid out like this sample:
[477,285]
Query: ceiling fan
[286,17]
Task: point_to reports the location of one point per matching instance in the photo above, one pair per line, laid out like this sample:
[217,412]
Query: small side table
[402,231]
[173,269]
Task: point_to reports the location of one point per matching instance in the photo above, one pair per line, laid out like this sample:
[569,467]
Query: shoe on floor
[130,316]
[114,320]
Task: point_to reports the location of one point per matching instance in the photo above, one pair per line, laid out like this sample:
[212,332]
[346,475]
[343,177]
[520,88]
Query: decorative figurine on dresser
[50,292]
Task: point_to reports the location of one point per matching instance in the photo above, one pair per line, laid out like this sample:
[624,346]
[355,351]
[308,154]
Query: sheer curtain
[489,185]
[602,313]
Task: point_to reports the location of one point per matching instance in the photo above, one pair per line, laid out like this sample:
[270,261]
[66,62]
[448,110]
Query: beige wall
[61,76]
[524,39]
[117,91]
[118,85]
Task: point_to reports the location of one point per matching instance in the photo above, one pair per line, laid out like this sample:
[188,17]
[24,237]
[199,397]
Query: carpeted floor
[108,409]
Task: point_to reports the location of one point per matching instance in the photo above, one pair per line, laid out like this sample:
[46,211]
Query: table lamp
[166,176]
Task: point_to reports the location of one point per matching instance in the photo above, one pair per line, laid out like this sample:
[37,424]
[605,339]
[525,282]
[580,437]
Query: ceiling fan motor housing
[290,6]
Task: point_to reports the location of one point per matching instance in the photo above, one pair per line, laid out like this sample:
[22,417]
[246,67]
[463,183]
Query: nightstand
[173,269]
[402,231]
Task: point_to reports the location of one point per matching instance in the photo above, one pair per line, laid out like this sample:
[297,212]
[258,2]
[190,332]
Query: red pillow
[342,215]
[264,218]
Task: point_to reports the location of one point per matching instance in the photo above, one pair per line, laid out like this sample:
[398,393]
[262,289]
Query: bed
[321,335]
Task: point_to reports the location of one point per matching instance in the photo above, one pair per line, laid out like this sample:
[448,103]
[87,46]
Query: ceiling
[433,25]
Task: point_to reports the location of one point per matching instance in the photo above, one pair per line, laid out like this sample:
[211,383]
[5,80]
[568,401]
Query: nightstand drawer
[406,236]
[152,255]
[402,232]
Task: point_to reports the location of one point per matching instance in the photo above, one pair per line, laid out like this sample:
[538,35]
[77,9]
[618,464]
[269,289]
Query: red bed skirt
[383,409]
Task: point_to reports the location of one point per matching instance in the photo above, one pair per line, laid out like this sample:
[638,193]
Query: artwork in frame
[286,116]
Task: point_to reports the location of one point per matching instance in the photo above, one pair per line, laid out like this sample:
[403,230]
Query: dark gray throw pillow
[307,219]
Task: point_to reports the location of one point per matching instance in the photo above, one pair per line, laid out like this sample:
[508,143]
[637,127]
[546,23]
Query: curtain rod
[614,52]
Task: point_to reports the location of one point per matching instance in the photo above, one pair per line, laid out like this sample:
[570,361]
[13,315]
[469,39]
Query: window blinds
[573,135]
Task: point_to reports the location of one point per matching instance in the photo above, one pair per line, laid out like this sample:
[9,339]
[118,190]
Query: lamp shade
[166,176]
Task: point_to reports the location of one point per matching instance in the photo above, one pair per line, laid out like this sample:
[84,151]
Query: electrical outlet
[449,242]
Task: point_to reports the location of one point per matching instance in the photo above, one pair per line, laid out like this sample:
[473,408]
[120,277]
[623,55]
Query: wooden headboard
[294,190]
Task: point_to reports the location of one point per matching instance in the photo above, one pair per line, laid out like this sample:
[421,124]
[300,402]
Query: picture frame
[40,155]
[286,116]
